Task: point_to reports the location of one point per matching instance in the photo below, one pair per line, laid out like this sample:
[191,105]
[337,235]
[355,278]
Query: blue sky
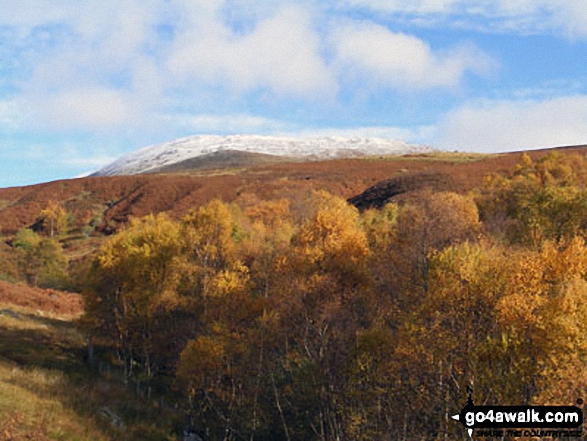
[82,83]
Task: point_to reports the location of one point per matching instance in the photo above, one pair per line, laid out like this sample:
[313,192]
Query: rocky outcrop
[385,191]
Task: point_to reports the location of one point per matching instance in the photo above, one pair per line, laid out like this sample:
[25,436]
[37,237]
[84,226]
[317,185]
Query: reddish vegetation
[384,191]
[47,300]
[118,197]
[13,430]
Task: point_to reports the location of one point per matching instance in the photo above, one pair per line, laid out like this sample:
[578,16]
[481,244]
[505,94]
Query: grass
[227,171]
[451,157]
[82,195]
[35,358]
[48,393]
[29,411]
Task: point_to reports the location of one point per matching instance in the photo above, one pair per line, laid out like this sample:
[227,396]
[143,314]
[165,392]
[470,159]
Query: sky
[82,83]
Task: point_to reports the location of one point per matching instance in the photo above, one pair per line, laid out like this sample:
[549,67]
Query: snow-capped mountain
[315,148]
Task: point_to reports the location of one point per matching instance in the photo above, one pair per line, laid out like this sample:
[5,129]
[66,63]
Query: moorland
[350,299]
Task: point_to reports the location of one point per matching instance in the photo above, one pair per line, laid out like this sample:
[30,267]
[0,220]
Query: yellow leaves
[537,277]
[211,223]
[497,311]
[527,278]
[270,213]
[227,281]
[519,311]
[140,265]
[565,318]
[544,314]
[555,168]
[201,362]
[467,276]
[437,220]
[269,319]
[209,236]
[142,240]
[462,210]
[526,161]
[332,239]
[461,260]
[566,260]
[380,225]
[168,300]
[542,200]
[54,218]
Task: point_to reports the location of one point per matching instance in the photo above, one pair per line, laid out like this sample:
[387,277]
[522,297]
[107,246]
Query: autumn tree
[325,324]
[540,200]
[269,229]
[134,276]
[380,226]
[26,239]
[217,282]
[54,218]
[436,340]
[542,321]
[505,322]
[210,234]
[43,262]
[324,298]
[424,225]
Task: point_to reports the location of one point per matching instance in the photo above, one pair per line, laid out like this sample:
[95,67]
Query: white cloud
[235,124]
[87,108]
[281,53]
[492,126]
[85,65]
[403,61]
[104,64]
[93,19]
[104,42]
[68,155]
[521,16]
[31,13]
[10,117]
[250,124]
[420,134]
[414,6]
[83,162]
[572,16]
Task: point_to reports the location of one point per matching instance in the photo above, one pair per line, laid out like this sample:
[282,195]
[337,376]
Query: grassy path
[47,393]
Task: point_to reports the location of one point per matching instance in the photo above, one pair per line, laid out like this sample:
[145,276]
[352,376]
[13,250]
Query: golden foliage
[54,218]
[319,325]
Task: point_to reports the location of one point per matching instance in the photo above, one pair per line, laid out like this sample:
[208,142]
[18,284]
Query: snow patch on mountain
[314,148]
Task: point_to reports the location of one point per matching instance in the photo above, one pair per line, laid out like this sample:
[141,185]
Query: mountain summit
[161,156]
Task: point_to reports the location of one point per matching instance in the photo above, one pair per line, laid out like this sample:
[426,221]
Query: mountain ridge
[221,160]
[160,156]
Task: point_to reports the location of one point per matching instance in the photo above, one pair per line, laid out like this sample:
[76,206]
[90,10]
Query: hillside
[48,392]
[103,204]
[169,153]
[224,159]
[110,201]
[229,316]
